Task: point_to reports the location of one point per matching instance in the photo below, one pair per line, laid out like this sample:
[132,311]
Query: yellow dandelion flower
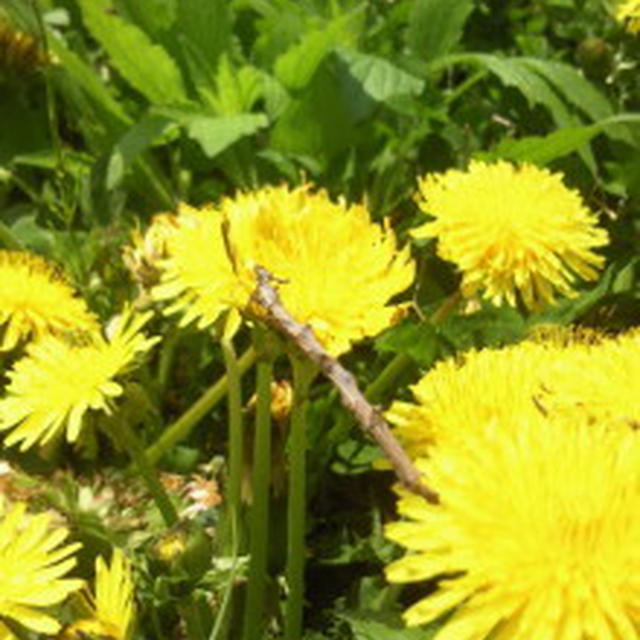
[54,385]
[33,561]
[600,379]
[198,276]
[338,269]
[472,391]
[37,300]
[628,13]
[112,605]
[511,230]
[537,535]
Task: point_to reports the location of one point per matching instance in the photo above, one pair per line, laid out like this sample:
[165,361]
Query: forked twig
[369,420]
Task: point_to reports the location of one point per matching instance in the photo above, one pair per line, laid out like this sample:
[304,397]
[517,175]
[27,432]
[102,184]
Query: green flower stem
[221,617]
[129,441]
[260,481]
[236,436]
[402,361]
[387,376]
[183,426]
[303,373]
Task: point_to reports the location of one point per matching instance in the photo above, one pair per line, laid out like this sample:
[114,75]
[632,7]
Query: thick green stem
[303,373]
[183,426]
[387,376]
[260,481]
[236,436]
[129,441]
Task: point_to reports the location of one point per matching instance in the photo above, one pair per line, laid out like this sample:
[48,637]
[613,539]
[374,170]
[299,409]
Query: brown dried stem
[370,420]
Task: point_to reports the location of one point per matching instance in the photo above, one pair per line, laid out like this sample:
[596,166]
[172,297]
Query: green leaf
[378,78]
[373,626]
[417,340]
[575,89]
[147,67]
[83,90]
[155,17]
[215,134]
[296,66]
[139,137]
[513,72]
[206,24]
[319,123]
[542,150]
[435,26]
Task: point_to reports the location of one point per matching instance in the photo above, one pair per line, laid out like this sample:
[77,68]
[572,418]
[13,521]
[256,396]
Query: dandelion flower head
[338,268]
[628,13]
[56,383]
[33,562]
[512,231]
[537,535]
[471,391]
[600,379]
[112,605]
[36,300]
[197,277]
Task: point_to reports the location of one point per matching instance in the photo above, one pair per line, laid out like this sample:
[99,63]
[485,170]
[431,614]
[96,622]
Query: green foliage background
[147,103]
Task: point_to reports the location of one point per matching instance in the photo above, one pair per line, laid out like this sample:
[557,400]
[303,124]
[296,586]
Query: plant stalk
[260,481]
[183,426]
[131,443]
[303,373]
[236,436]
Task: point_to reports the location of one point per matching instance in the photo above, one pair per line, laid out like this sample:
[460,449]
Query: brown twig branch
[370,420]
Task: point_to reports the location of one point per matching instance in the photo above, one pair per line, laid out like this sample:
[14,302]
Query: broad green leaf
[236,90]
[417,340]
[87,82]
[146,66]
[319,123]
[435,26]
[206,24]
[575,89]
[296,66]
[365,626]
[513,72]
[155,17]
[379,78]
[139,137]
[544,149]
[215,133]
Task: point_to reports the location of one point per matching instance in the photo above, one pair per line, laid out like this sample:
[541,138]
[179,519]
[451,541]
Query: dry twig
[370,420]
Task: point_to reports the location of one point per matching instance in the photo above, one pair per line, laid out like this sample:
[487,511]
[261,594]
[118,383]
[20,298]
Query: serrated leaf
[435,26]
[215,133]
[512,72]
[146,66]
[572,86]
[296,66]
[378,78]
